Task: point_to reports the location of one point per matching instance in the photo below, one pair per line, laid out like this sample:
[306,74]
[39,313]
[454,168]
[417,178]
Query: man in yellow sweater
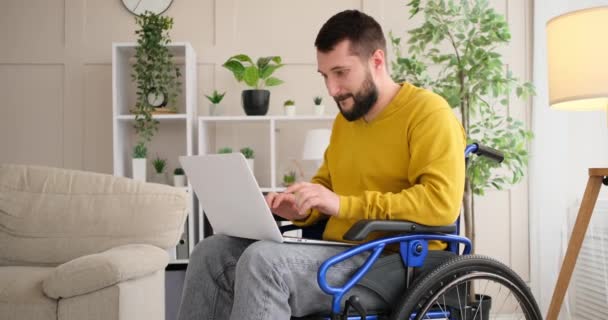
[396,153]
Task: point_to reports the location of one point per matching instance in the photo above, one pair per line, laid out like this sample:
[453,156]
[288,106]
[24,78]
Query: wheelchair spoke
[504,301]
[459,303]
[466,292]
[480,303]
[440,307]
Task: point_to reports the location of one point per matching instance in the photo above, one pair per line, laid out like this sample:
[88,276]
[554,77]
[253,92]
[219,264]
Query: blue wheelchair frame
[413,249]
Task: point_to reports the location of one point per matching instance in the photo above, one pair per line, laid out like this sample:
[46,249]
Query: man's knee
[216,252]
[261,256]
[208,247]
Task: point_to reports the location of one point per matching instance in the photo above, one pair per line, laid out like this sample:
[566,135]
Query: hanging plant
[155,75]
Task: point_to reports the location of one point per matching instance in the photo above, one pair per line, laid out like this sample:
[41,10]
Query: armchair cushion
[49,216]
[97,271]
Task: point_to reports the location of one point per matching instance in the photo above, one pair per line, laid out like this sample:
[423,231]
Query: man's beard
[363,100]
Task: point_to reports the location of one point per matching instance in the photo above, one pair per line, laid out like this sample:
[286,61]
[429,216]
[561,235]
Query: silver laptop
[231,199]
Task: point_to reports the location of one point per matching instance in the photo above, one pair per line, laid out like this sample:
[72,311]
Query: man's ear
[377,60]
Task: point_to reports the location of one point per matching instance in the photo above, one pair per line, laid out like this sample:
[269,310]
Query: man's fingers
[306,193]
[296,187]
[277,201]
[308,204]
[269,198]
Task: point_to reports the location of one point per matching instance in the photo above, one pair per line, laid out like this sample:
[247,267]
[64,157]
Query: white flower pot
[179,180]
[139,169]
[319,109]
[290,111]
[215,109]
[250,165]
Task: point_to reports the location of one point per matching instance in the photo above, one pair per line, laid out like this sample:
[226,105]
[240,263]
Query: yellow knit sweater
[406,164]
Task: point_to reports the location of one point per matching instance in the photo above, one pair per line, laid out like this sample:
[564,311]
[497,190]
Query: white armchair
[81,245]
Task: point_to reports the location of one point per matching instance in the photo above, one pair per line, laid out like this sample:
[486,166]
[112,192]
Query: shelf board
[160,117]
[278,189]
[179,261]
[266,118]
[177,48]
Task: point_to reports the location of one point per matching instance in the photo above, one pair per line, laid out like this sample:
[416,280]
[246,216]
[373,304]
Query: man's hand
[314,196]
[284,205]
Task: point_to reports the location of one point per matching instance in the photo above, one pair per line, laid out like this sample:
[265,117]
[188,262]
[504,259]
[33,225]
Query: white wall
[565,146]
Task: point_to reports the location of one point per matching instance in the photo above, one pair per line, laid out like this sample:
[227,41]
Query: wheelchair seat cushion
[387,277]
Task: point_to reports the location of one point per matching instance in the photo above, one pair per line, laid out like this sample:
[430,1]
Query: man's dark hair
[364,33]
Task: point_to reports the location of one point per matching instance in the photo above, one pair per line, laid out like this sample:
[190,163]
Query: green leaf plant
[153,71]
[247,152]
[459,41]
[255,75]
[215,97]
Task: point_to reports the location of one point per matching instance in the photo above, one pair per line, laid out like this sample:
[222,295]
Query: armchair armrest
[360,230]
[96,271]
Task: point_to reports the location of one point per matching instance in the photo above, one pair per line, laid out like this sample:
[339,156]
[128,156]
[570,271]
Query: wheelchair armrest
[360,230]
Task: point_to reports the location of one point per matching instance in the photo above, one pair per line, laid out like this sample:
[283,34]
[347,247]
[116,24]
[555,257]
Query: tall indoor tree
[455,53]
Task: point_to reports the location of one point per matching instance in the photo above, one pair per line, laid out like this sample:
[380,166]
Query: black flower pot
[255,102]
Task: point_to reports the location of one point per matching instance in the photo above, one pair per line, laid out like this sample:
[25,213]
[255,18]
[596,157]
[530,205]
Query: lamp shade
[315,144]
[578,60]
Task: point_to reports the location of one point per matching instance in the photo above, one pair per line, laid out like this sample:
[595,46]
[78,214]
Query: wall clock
[138,7]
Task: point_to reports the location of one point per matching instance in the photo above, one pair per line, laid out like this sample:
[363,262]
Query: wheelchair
[463,287]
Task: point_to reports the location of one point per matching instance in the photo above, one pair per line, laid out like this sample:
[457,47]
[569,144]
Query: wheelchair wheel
[447,293]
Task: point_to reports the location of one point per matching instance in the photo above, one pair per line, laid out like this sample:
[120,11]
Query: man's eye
[341,73]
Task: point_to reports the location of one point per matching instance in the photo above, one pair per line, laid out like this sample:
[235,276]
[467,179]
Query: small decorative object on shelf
[179,179]
[292,172]
[159,165]
[248,153]
[224,150]
[319,108]
[257,76]
[139,161]
[215,108]
[289,178]
[290,108]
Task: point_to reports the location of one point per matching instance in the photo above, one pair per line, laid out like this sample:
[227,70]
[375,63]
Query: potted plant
[159,170]
[319,108]
[179,179]
[248,153]
[289,178]
[257,76]
[224,150]
[290,108]
[461,41]
[139,161]
[155,75]
[215,99]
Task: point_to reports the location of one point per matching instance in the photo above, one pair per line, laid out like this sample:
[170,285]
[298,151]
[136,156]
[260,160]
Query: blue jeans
[234,278]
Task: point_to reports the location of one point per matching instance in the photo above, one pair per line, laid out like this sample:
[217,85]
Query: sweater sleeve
[436,175]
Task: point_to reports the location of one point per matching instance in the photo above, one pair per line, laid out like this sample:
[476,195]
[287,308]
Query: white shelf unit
[273,138]
[176,134]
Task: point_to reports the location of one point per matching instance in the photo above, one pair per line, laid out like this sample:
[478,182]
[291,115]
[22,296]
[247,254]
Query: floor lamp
[578,80]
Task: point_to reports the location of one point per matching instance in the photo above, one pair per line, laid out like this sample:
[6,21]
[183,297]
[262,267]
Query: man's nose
[333,88]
